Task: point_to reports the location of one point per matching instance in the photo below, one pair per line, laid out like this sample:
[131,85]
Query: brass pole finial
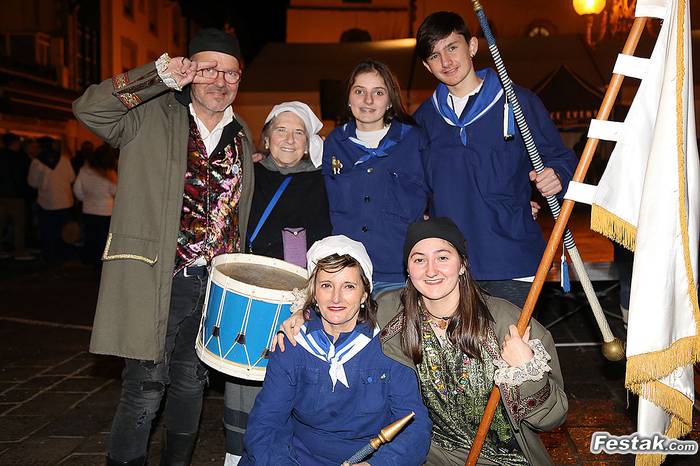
[388,433]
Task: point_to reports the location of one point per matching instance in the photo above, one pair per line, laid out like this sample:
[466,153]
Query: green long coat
[140,115]
[532,407]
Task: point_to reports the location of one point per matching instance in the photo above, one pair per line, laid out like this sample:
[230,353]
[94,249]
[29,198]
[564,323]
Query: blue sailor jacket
[300,419]
[484,186]
[375,201]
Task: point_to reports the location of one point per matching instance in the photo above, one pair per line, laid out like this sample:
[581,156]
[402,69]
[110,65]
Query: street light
[590,8]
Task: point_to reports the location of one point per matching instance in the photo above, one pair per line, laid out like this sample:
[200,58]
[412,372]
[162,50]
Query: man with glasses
[185,187]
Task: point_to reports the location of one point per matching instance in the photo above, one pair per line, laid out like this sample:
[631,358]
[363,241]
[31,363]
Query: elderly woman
[289,198]
[289,210]
[325,398]
[373,169]
[460,341]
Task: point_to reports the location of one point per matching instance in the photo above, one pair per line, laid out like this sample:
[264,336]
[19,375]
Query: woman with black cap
[460,341]
[449,331]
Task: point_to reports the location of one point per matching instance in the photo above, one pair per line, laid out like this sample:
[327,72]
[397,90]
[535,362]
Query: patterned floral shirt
[455,390]
[213,184]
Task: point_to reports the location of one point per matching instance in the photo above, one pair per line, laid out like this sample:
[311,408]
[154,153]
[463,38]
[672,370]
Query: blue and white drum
[248,297]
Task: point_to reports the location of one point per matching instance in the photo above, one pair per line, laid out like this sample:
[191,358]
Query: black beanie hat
[215,40]
[438,227]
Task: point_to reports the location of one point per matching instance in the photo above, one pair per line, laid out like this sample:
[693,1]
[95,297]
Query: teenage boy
[478,166]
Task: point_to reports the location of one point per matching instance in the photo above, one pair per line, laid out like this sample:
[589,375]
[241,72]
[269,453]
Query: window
[355,35]
[153,16]
[540,28]
[539,31]
[129,54]
[129,8]
[176,25]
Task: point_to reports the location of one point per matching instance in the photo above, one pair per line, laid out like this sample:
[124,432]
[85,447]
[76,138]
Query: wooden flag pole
[556,236]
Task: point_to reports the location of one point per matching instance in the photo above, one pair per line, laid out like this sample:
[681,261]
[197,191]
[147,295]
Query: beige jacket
[141,116]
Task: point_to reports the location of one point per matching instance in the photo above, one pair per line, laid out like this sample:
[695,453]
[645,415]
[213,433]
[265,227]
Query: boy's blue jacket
[484,186]
[375,201]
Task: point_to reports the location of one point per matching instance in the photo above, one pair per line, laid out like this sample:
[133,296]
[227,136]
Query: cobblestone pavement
[57,400]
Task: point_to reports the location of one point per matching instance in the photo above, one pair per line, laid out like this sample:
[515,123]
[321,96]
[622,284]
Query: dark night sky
[256,22]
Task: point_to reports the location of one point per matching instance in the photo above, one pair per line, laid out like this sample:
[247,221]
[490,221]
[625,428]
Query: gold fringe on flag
[643,370]
[610,225]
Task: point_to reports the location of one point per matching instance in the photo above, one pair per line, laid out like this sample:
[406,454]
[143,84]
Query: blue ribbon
[509,126]
[564,279]
[267,211]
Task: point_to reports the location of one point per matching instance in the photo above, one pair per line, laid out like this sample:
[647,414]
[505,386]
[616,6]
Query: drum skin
[248,297]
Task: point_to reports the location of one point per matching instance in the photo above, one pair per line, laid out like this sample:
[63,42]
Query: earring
[267,145]
[362,305]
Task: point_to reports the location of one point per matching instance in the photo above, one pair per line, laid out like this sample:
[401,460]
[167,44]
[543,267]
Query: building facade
[51,50]
[398,19]
[134,32]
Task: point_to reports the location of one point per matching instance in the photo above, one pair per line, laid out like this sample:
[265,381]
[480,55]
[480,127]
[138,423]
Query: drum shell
[240,319]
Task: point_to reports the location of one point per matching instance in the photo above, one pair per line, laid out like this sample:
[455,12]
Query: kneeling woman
[449,333]
[323,399]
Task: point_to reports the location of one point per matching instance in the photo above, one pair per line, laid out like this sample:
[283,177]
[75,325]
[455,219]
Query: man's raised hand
[186,71]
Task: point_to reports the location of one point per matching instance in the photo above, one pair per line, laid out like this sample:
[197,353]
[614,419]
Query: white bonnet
[340,245]
[311,122]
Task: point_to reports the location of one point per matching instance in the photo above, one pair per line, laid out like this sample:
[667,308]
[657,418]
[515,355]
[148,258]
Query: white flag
[648,200]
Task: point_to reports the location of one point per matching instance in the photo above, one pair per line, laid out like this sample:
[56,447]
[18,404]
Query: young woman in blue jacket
[374,171]
[326,397]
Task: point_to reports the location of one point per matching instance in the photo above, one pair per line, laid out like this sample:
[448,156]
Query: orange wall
[319,26]
[115,26]
[510,18]
[324,21]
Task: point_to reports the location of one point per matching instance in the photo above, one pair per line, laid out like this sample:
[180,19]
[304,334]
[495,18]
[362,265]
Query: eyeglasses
[231,77]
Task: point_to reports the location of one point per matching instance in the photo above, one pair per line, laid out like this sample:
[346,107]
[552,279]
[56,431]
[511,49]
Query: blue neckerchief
[316,341]
[489,94]
[315,324]
[396,133]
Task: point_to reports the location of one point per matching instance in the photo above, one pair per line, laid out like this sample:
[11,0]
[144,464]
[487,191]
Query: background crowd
[55,204]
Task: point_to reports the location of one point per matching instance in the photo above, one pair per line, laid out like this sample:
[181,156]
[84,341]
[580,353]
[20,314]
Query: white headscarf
[340,245]
[311,122]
